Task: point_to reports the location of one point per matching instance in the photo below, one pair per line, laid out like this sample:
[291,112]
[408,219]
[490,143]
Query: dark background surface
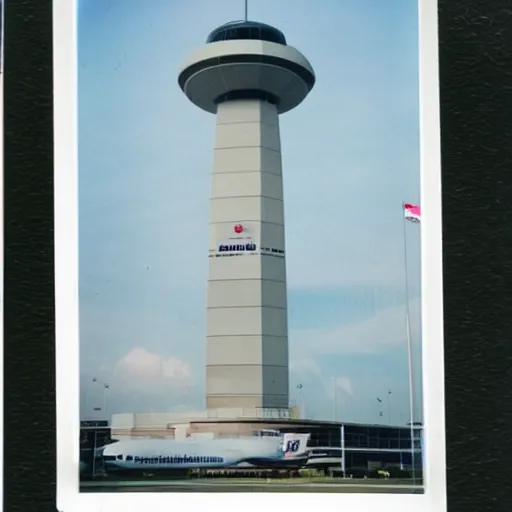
[476,143]
[476,113]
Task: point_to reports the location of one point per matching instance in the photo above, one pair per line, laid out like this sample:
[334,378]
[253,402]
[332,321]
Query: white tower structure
[247,75]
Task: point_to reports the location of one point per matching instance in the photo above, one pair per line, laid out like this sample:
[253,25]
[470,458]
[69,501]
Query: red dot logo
[239,228]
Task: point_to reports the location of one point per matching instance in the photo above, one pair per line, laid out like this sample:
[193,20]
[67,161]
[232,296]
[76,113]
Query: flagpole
[409,347]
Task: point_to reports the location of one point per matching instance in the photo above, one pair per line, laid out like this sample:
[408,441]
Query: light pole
[94,455]
[85,409]
[106,387]
[301,401]
[380,403]
[389,406]
[91,405]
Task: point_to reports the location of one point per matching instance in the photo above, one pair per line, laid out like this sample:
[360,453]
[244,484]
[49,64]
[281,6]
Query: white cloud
[306,368]
[140,364]
[140,381]
[386,328]
[345,384]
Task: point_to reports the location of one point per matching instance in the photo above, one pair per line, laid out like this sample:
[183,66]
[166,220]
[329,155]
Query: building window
[373,442]
[247,30]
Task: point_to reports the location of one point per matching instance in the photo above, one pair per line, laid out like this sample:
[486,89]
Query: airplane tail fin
[295,445]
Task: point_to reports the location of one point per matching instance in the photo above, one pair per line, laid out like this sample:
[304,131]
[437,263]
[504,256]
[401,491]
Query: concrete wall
[247,328]
[230,428]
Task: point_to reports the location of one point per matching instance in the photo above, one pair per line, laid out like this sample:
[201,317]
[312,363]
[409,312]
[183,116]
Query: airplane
[288,451]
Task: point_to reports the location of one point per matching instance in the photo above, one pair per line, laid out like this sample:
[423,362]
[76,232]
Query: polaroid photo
[202,347]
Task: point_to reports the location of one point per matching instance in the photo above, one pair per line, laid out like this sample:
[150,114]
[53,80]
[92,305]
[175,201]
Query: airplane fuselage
[163,455]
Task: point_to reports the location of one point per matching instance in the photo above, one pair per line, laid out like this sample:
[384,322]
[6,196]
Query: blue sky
[350,157]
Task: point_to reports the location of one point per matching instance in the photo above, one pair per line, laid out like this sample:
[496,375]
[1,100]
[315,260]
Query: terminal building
[351,448]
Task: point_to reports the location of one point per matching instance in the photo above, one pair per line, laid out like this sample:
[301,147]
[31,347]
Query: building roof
[156,420]
[297,422]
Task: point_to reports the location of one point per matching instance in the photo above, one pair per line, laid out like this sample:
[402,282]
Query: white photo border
[66,303]
[2,245]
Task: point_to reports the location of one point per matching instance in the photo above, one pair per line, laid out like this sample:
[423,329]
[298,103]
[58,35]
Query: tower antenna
[246,8]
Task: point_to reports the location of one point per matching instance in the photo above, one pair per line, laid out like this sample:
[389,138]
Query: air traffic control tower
[247,75]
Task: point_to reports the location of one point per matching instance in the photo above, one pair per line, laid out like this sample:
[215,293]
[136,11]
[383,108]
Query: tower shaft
[247,330]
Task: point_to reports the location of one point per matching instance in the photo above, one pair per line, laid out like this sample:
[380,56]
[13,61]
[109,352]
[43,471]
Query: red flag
[412,212]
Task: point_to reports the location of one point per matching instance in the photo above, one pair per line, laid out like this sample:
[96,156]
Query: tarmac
[230,485]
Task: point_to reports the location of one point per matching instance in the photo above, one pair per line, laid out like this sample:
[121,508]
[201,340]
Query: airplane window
[129,457]
[119,457]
